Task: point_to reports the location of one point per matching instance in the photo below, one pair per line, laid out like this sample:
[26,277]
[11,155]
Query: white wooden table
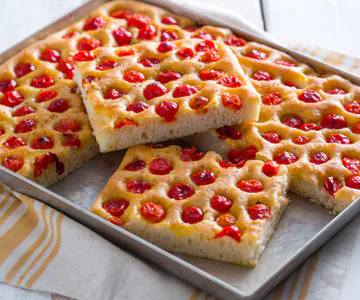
[330,24]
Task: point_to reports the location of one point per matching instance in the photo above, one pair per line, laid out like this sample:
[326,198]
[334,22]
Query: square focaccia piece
[190,202]
[153,92]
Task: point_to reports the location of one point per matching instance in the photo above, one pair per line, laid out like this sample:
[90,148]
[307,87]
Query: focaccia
[189,202]
[153,92]
[44,130]
[309,123]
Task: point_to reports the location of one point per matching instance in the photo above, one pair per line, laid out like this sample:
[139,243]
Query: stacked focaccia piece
[146,75]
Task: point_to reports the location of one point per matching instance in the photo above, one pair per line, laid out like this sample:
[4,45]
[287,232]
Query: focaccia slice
[311,126]
[44,130]
[189,202]
[153,92]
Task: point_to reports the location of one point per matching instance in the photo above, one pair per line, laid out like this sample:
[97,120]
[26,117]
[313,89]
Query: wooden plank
[327,24]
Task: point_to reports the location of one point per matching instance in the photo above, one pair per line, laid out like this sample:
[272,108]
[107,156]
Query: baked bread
[187,202]
[153,92]
[309,123]
[44,130]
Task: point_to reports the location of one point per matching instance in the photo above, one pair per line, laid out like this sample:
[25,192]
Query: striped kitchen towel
[341,61]
[42,249]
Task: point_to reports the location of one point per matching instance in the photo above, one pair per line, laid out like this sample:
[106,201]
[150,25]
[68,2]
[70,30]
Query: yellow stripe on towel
[23,227]
[23,259]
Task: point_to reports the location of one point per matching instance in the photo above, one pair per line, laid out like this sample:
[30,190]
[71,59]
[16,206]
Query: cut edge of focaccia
[156,131]
[172,233]
[50,176]
[201,243]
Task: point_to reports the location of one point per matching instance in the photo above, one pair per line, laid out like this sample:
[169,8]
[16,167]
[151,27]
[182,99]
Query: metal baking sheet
[303,229]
